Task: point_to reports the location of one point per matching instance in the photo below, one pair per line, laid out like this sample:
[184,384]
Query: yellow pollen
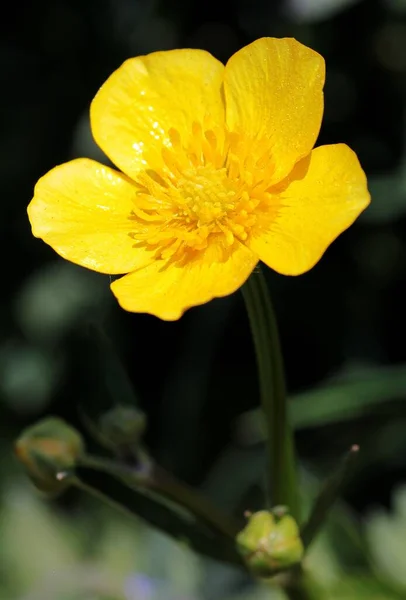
[208,190]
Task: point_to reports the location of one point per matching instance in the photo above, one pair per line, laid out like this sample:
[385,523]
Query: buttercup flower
[218,172]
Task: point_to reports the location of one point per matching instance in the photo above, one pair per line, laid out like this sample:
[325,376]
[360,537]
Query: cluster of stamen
[208,191]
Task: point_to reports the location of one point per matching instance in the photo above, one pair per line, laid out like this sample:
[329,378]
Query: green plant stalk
[282,478]
[327,496]
[139,504]
[157,480]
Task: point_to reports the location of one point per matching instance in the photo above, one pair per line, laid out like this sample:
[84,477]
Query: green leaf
[348,399]
[342,399]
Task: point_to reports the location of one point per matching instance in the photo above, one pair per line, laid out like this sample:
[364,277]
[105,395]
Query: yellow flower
[218,172]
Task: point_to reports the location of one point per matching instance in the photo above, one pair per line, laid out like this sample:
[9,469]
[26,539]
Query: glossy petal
[168,291]
[147,96]
[323,196]
[82,209]
[273,90]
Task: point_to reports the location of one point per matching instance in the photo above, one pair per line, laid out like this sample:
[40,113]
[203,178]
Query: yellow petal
[273,90]
[323,196]
[167,292]
[82,209]
[147,96]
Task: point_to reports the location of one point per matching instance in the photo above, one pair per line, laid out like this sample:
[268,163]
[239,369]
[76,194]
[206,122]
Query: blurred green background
[342,325]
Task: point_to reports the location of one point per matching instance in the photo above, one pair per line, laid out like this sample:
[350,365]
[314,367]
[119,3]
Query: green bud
[270,542]
[48,450]
[122,426]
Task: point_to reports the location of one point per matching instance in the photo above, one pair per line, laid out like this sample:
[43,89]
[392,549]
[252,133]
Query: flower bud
[48,449]
[122,426]
[270,543]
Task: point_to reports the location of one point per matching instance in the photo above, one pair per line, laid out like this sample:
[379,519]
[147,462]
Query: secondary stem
[280,444]
[180,525]
[162,483]
[327,496]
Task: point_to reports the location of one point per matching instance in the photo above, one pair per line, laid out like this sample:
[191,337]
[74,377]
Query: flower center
[209,191]
[205,194]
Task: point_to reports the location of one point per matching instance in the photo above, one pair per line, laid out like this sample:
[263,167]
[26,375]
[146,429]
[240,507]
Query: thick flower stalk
[218,171]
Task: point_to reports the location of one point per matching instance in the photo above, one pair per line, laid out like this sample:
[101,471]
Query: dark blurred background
[342,325]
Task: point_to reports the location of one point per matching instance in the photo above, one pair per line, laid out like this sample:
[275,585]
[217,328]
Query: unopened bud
[48,450]
[122,426]
[270,543]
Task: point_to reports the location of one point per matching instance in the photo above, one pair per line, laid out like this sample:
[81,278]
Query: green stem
[327,496]
[280,443]
[139,503]
[103,498]
[157,480]
[196,503]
